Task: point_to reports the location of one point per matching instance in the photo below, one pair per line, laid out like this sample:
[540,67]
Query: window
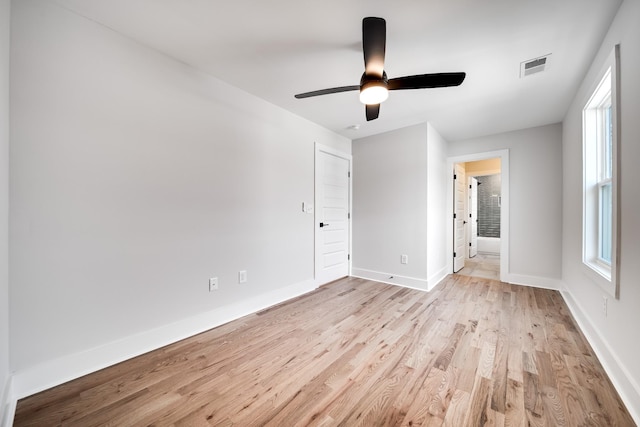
[599,179]
[605,201]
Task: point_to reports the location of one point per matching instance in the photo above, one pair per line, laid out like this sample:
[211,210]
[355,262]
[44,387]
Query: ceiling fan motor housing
[371,80]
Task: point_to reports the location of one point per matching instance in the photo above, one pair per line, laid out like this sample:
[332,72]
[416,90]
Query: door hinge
[454,255]
[455,176]
[469,215]
[454,216]
[348,257]
[470,186]
[349,215]
[349,174]
[469,244]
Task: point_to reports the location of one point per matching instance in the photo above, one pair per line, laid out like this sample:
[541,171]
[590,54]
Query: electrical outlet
[605,300]
[404,259]
[213,284]
[242,276]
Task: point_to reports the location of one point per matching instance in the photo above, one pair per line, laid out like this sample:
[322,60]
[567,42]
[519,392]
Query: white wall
[4,207]
[399,187]
[437,209]
[535,209]
[614,336]
[135,178]
[390,206]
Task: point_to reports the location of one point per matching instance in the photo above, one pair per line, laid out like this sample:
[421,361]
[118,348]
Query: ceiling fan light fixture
[374,85]
[374,93]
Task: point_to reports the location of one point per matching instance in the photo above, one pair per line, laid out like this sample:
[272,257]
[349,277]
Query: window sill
[600,275]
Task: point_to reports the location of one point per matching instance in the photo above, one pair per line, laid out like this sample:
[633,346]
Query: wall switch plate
[404,259]
[242,276]
[213,284]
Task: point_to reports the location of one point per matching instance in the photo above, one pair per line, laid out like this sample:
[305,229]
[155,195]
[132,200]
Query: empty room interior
[203,224]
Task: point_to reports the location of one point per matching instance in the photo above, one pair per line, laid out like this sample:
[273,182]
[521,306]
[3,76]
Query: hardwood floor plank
[487,357]
[532,394]
[418,413]
[457,410]
[546,374]
[514,404]
[467,369]
[472,352]
[445,356]
[529,363]
[553,412]
[478,413]
[574,407]
[499,373]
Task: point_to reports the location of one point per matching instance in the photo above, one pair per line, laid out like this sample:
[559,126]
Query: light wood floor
[472,352]
[482,265]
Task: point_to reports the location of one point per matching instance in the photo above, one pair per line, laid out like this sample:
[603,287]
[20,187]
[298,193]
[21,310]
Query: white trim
[72,366]
[436,278]
[7,404]
[329,150]
[392,279]
[534,281]
[623,382]
[504,206]
[605,277]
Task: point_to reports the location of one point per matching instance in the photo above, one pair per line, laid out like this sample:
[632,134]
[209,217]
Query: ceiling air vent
[533,66]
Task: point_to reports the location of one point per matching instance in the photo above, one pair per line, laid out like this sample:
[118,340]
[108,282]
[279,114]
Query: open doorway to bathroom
[480,242]
[484,201]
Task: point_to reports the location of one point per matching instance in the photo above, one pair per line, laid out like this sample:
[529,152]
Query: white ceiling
[275,49]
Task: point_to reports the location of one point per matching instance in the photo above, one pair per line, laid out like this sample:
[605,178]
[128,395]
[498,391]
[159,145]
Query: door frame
[320,148]
[503,155]
[473,216]
[460,179]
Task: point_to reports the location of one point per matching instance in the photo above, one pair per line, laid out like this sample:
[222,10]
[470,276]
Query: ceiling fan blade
[425,81]
[374,38]
[327,91]
[372,111]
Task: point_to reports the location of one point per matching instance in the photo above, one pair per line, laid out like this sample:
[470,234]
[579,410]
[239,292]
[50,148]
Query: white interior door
[473,217]
[459,221]
[333,201]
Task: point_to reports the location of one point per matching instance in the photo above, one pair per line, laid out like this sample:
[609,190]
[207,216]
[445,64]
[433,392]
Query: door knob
[323,224]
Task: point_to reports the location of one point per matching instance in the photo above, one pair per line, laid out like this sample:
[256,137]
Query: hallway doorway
[483,239]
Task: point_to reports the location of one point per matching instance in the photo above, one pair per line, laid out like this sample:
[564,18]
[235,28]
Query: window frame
[600,170]
[604,155]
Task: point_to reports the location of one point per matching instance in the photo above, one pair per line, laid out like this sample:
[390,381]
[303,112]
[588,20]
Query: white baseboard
[72,366]
[534,281]
[8,404]
[626,386]
[436,278]
[392,279]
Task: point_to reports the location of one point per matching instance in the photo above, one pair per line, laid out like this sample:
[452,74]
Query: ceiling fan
[374,85]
